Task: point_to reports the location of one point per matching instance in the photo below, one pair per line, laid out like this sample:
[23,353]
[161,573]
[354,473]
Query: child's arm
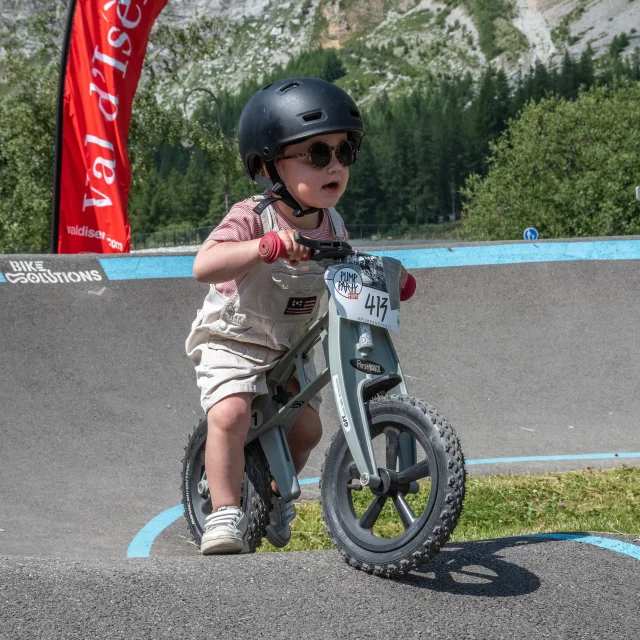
[224,261]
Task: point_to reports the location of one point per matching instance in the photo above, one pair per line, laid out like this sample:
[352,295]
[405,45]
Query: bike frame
[342,341]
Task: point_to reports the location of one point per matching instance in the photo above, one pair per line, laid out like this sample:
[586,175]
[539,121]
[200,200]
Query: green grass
[508,505]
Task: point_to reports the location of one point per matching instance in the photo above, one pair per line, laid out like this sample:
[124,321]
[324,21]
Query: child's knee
[231,414]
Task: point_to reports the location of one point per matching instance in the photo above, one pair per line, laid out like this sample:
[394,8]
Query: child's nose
[335,164]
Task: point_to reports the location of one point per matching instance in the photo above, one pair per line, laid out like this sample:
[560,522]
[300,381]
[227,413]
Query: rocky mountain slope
[391,44]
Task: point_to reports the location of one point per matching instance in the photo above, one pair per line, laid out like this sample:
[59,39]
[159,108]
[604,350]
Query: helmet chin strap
[278,188]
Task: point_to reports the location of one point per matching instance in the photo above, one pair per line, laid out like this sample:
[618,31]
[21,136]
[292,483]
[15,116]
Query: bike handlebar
[272,247]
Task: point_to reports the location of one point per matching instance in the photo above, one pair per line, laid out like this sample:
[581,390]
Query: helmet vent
[289,86]
[355,113]
[310,117]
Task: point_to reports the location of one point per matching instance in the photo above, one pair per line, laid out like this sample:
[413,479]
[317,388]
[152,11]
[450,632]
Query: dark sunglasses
[319,154]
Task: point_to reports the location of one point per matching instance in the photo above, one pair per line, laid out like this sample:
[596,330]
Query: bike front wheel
[391,532]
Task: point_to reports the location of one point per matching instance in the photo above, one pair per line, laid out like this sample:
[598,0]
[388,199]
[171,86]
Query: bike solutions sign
[48,272]
[359,290]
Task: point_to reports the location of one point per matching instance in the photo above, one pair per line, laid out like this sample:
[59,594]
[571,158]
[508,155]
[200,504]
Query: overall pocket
[298,281]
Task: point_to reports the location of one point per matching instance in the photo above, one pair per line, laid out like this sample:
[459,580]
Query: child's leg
[228,425]
[305,433]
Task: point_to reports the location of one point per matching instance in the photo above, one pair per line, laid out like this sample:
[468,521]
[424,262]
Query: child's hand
[296,251]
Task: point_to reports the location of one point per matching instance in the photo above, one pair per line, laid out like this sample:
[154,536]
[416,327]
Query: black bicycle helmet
[288,111]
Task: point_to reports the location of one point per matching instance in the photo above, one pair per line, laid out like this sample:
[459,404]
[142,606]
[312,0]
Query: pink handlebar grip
[409,288]
[272,248]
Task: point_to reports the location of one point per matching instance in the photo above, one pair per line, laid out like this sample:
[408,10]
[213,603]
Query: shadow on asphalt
[477,569]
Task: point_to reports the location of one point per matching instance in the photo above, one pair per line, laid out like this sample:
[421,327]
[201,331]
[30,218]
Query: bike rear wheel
[390,533]
[255,495]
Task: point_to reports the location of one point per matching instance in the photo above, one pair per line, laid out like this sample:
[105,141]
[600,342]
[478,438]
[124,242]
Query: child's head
[303,133]
[316,170]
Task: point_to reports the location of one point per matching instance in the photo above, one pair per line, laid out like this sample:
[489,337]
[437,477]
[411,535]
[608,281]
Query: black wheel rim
[360,528]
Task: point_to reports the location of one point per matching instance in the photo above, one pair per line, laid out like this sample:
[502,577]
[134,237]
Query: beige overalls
[233,341]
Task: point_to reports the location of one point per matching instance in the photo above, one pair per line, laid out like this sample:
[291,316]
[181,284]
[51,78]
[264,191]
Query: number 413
[375,304]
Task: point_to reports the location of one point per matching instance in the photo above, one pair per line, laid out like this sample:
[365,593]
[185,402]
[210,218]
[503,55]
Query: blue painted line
[141,544]
[149,267]
[515,253]
[618,546]
[2,279]
[137,268]
[584,456]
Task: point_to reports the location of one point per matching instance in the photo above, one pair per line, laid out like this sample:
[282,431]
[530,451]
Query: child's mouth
[331,187]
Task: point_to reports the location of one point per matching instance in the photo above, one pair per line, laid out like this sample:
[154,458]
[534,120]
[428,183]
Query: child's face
[309,185]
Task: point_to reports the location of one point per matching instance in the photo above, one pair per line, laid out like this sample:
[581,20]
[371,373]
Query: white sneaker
[283,512]
[224,531]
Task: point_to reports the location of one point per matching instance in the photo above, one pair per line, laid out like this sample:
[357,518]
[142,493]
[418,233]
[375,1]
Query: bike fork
[353,387]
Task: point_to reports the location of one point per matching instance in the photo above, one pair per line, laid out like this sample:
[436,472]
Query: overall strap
[265,202]
[266,212]
[268,217]
[336,223]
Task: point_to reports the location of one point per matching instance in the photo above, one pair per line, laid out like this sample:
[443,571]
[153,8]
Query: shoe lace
[227,519]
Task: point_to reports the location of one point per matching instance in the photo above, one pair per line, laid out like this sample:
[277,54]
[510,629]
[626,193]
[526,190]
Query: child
[297,139]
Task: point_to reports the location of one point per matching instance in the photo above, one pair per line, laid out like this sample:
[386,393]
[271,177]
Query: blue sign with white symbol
[530,234]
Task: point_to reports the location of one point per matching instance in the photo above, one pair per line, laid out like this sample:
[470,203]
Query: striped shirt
[242,223]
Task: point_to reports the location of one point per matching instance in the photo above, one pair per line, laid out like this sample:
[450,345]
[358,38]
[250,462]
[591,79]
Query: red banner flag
[107,45]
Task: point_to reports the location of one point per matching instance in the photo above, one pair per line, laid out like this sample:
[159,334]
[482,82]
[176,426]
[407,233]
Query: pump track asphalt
[530,349]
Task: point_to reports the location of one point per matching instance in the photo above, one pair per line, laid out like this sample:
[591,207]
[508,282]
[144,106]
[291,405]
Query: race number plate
[359,290]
